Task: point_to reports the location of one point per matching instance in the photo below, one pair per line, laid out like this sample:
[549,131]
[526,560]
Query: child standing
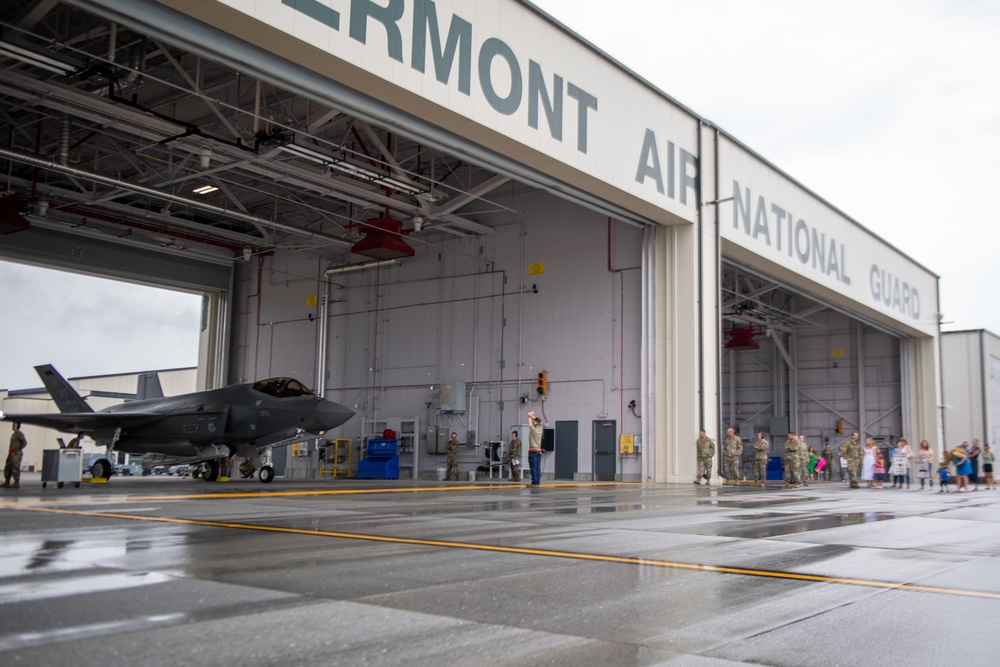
[879,467]
[943,476]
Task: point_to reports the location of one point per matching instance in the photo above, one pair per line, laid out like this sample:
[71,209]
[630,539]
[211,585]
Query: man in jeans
[535,448]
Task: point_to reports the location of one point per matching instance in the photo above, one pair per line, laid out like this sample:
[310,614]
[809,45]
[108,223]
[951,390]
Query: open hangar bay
[418,243]
[421,573]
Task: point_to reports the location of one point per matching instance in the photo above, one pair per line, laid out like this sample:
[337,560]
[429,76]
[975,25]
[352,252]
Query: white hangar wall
[546,292]
[970,362]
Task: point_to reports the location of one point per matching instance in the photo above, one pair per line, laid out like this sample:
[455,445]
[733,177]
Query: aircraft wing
[86,422]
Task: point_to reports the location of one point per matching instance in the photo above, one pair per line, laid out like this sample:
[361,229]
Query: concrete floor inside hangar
[176,571]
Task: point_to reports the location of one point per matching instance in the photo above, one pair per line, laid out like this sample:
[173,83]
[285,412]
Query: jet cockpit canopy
[282,387]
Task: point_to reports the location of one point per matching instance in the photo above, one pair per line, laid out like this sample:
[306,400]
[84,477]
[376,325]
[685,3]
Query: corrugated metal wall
[466,310]
[830,358]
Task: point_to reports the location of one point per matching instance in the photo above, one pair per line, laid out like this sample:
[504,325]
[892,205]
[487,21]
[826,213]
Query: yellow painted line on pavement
[76,500]
[771,574]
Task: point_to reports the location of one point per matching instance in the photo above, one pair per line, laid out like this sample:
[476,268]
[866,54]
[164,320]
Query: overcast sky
[888,109]
[90,326]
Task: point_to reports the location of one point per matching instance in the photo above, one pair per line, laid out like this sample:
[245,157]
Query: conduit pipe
[324,313]
[64,131]
[25,158]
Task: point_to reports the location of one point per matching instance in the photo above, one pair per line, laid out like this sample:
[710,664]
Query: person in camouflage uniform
[12,467]
[247,468]
[761,449]
[451,449]
[852,452]
[803,461]
[706,450]
[791,461]
[514,457]
[732,450]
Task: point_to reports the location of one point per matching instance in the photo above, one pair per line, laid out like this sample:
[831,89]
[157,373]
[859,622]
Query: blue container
[382,461]
[775,469]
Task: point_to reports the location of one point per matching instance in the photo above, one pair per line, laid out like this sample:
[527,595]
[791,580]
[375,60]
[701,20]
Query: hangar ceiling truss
[114,133]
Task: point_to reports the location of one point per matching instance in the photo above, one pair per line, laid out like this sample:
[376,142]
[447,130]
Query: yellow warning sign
[536,269]
[627,444]
[838,352]
[312,300]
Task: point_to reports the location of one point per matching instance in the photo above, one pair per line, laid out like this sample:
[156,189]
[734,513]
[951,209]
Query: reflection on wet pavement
[580,575]
[753,504]
[784,524]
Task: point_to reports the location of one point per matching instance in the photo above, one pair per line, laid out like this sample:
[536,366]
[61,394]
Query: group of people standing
[868,463]
[965,459]
[801,463]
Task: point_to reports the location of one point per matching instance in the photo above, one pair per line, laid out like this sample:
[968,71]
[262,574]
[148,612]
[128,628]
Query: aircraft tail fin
[149,387]
[62,393]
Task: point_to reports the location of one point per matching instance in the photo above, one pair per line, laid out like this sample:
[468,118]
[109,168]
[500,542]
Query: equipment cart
[62,466]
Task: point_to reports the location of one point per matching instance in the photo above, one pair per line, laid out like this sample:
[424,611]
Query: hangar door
[787,359]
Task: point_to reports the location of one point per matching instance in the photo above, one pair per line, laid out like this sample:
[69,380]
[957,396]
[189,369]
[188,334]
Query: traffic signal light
[543,387]
[840,426]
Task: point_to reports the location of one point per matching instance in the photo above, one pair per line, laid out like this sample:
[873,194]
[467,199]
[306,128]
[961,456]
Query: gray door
[604,451]
[567,436]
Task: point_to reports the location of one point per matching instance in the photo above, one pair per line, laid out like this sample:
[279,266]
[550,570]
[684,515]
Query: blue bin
[382,461]
[775,469]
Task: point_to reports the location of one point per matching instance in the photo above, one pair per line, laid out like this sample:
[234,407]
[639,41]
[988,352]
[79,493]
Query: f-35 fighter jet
[202,428]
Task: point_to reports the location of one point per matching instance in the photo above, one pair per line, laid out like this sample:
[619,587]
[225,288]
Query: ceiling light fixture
[32,57]
[352,169]
[205,189]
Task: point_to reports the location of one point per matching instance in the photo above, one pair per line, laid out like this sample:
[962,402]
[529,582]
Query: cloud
[90,326]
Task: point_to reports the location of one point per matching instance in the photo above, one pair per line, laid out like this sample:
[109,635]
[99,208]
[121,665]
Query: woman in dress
[925,458]
[812,464]
[901,464]
[960,459]
[988,468]
[868,463]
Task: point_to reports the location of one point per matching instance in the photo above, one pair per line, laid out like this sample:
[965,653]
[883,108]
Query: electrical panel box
[453,398]
[434,444]
[779,427]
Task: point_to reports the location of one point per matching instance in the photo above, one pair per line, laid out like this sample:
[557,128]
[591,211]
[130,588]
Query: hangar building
[970,379]
[418,206]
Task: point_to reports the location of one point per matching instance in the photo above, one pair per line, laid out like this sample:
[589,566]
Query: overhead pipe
[34,161]
[324,313]
[64,130]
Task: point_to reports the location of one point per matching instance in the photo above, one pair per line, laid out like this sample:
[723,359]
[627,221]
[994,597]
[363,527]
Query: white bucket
[440,472]
[472,475]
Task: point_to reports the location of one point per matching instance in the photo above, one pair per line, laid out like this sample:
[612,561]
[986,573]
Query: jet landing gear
[101,469]
[207,470]
[266,474]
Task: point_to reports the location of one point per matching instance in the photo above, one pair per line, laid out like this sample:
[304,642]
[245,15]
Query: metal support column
[860,335]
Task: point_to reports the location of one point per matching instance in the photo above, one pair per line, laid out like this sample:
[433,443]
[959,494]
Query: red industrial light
[383,239]
[11,220]
[741,339]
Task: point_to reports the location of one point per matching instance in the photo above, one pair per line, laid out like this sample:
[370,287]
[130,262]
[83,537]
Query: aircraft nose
[331,415]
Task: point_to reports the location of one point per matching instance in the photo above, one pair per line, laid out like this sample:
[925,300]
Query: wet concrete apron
[387,573]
